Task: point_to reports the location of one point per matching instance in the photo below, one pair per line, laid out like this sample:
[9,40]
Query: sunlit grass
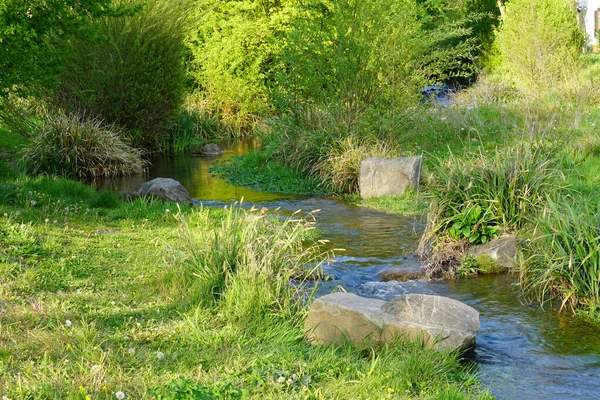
[104,299]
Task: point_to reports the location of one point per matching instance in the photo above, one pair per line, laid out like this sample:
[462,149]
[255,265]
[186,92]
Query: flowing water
[522,352]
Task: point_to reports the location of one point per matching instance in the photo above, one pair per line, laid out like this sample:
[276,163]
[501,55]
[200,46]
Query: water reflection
[194,175]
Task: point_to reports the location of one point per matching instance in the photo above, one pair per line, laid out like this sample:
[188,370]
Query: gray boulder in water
[440,322]
[164,189]
[381,177]
[210,150]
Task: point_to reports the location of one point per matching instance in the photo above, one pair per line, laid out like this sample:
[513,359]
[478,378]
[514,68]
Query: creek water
[522,352]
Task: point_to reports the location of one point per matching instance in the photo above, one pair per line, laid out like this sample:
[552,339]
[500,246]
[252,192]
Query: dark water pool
[522,352]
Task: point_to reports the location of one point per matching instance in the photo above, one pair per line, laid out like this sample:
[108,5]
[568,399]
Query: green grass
[257,170]
[100,296]
[410,203]
[11,141]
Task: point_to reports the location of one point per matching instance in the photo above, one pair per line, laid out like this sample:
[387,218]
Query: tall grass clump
[340,168]
[133,75]
[245,264]
[480,193]
[78,146]
[565,261]
[185,132]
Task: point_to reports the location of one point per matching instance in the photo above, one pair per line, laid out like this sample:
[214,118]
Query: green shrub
[134,75]
[232,47]
[539,41]
[565,261]
[76,146]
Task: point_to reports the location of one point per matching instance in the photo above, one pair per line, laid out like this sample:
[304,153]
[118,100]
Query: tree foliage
[539,41]
[31,34]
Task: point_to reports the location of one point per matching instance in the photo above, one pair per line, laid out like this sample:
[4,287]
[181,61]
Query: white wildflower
[120,395]
[68,323]
[281,379]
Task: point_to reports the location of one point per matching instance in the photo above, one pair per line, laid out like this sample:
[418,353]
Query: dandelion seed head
[131,350]
[160,355]
[68,323]
[120,395]
[281,379]
[95,369]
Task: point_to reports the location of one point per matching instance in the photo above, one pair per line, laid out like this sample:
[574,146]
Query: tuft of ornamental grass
[565,260]
[78,146]
[246,264]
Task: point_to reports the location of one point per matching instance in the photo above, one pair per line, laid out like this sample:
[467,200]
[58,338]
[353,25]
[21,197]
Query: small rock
[502,250]
[208,150]
[164,189]
[400,275]
[380,177]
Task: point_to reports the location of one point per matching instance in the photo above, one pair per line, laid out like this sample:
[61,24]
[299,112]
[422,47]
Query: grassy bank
[103,298]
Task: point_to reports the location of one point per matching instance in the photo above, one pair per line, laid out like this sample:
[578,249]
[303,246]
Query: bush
[134,76]
[76,146]
[232,46]
[539,41]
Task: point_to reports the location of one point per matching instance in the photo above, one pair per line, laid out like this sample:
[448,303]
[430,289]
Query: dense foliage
[32,34]
[133,75]
[539,42]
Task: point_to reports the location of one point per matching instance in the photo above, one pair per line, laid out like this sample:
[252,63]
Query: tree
[539,42]
[30,35]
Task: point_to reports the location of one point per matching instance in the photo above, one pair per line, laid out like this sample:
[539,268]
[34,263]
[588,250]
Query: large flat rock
[382,177]
[440,322]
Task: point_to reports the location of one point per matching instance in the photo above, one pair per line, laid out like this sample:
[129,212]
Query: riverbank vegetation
[140,299]
[143,299]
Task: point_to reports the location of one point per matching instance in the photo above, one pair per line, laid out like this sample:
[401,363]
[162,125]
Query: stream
[522,352]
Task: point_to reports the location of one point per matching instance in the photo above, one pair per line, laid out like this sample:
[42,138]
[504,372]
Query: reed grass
[78,146]
[246,265]
[565,255]
[508,185]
